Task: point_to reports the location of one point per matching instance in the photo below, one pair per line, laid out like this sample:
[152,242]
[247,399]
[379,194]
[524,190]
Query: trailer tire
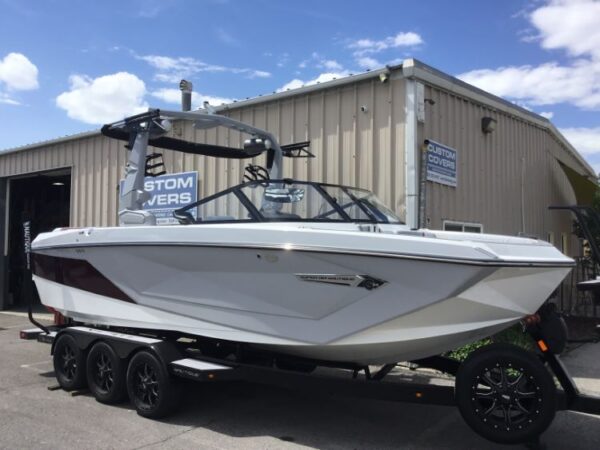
[69,363]
[106,374]
[152,391]
[505,394]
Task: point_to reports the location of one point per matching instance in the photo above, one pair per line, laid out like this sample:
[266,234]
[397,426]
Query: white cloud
[18,73]
[172,70]
[403,39]
[585,140]
[331,64]
[573,25]
[319,61]
[254,73]
[104,99]
[283,59]
[150,9]
[366,62]
[294,84]
[322,78]
[226,37]
[569,25]
[546,84]
[7,100]
[169,95]
[547,114]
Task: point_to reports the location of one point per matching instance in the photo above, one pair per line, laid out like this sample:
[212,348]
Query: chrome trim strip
[306,248]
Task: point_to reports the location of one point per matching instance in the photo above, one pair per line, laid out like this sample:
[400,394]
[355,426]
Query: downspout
[523,194]
[411,155]
[423,187]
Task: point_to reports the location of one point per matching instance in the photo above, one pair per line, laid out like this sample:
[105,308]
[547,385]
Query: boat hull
[290,300]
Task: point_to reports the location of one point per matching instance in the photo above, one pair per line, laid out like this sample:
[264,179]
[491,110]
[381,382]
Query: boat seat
[279,215]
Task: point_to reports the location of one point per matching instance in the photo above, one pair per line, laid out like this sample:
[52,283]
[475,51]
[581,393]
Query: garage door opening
[44,199]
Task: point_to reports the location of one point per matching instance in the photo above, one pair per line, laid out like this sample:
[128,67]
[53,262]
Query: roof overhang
[60,140]
[583,188]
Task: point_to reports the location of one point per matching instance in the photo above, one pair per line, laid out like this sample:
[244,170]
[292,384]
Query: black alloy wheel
[146,387]
[105,374]
[505,394]
[153,393]
[69,363]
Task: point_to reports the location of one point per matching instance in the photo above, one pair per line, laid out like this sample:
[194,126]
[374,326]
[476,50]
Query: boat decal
[77,273]
[364,281]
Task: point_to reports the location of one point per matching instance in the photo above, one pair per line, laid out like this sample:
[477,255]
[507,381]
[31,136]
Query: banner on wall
[441,163]
[168,193]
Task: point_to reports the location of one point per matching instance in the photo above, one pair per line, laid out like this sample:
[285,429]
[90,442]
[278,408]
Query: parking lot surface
[241,415]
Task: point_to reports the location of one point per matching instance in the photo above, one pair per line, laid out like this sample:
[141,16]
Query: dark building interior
[43,199]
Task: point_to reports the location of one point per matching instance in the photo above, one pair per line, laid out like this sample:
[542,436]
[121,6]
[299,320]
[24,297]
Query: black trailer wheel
[152,391]
[69,363]
[505,394]
[106,374]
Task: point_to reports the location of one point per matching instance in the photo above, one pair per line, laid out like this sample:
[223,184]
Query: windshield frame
[256,216]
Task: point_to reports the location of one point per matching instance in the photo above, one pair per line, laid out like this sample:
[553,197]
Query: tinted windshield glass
[223,208]
[374,206]
[290,201]
[347,203]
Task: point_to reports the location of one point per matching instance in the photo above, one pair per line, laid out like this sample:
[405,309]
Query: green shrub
[513,335]
[460,354]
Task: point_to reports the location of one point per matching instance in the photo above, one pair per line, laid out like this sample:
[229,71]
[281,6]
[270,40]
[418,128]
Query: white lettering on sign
[441,164]
[158,200]
[168,193]
[159,184]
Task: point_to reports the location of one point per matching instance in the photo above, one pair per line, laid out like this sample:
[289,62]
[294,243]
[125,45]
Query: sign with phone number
[170,192]
[441,163]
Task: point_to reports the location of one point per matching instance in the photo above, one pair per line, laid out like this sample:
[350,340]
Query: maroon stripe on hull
[77,273]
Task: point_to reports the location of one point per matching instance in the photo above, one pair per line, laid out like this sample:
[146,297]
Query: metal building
[374,130]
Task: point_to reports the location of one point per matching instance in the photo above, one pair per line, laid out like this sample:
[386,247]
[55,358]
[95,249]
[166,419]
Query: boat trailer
[146,367]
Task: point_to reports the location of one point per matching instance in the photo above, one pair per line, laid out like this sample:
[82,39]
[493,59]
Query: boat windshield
[288,200]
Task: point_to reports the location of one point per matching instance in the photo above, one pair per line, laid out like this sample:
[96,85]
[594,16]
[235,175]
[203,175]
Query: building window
[550,237]
[465,227]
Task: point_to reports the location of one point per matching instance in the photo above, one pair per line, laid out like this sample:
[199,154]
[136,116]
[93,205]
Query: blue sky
[69,66]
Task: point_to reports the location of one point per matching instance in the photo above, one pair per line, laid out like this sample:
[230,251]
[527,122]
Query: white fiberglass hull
[274,286]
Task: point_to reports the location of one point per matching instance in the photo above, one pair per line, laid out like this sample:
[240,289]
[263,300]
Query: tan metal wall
[96,165]
[352,147]
[363,149]
[492,168]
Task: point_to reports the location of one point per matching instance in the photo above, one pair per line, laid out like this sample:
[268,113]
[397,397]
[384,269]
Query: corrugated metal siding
[491,168]
[351,147]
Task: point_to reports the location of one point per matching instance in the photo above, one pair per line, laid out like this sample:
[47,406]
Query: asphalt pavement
[241,415]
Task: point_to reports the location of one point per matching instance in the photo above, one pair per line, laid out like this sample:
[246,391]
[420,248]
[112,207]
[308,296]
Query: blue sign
[441,164]
[170,192]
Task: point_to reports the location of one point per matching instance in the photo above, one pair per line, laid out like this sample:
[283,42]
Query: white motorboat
[316,270]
